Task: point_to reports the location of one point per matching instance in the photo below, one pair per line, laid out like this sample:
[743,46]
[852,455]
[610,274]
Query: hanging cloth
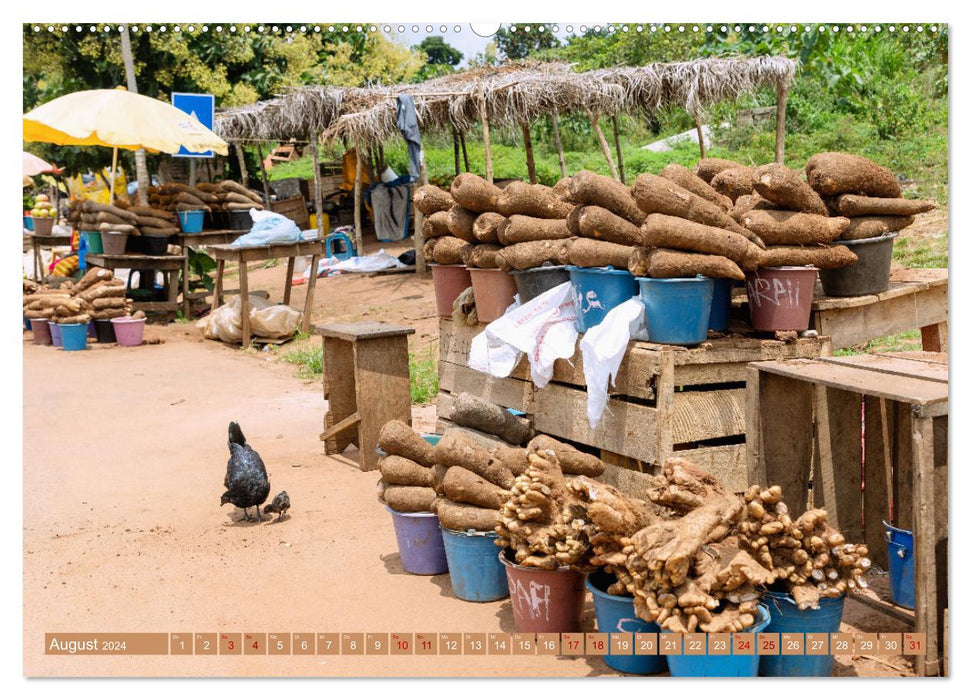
[408,125]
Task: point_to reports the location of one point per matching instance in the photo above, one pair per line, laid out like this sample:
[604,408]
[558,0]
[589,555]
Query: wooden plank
[443,406]
[859,380]
[703,415]
[244,303]
[361,330]
[339,392]
[383,390]
[903,467]
[894,365]
[925,579]
[633,484]
[921,356]
[903,282]
[350,422]
[933,338]
[626,428]
[837,485]
[755,465]
[266,252]
[878,478]
[726,462]
[511,393]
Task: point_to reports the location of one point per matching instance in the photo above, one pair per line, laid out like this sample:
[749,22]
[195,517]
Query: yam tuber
[602,224]
[523,256]
[794,228]
[662,231]
[874,226]
[475,193]
[655,195]
[457,449]
[824,257]
[858,205]
[430,199]
[590,188]
[734,182]
[448,250]
[435,225]
[401,471]
[460,222]
[570,459]
[398,438]
[666,263]
[530,200]
[514,458]
[456,516]
[410,499]
[485,228]
[783,186]
[464,486]
[520,229]
[838,173]
[680,175]
[481,256]
[587,252]
[707,168]
[472,412]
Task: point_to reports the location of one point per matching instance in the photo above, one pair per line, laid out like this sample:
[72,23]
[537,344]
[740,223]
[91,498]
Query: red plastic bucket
[42,331]
[494,291]
[128,331]
[780,298]
[449,281]
[545,601]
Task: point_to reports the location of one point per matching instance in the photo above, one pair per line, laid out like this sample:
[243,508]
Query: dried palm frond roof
[513,94]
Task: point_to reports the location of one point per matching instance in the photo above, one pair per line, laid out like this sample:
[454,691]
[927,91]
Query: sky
[465,39]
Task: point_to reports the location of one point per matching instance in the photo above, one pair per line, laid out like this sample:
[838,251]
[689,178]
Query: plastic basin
[191,221]
[676,310]
[95,244]
[900,555]
[473,565]
[42,331]
[55,333]
[114,242]
[787,617]
[721,305]
[128,331]
[616,614]
[545,601]
[449,281]
[420,542]
[869,275]
[494,291]
[729,665]
[74,336]
[596,290]
[537,280]
[780,298]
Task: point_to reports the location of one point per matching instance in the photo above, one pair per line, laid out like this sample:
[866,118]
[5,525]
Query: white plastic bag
[603,348]
[271,321]
[268,228]
[542,329]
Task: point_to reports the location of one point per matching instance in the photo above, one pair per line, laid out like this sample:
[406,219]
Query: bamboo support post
[266,182]
[243,174]
[782,95]
[595,123]
[485,136]
[701,134]
[318,198]
[114,168]
[559,144]
[465,153]
[358,229]
[420,268]
[530,162]
[620,156]
[455,150]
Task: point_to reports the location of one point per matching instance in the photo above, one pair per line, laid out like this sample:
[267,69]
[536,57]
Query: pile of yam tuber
[97,295]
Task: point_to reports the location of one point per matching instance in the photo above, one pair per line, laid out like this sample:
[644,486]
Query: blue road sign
[202,107]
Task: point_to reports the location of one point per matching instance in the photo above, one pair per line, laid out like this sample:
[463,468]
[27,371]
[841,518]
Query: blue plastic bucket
[474,567]
[29,223]
[26,323]
[419,542]
[191,221]
[55,333]
[616,614]
[721,305]
[900,554]
[676,310]
[95,244]
[92,331]
[787,617]
[74,336]
[596,290]
[729,665]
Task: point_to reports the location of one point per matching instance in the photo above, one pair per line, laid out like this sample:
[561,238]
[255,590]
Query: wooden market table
[865,437]
[39,242]
[243,255]
[171,265]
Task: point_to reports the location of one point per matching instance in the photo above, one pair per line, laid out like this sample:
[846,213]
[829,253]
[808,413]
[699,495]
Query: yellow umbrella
[119,119]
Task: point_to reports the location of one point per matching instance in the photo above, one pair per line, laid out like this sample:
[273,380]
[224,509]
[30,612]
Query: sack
[603,348]
[270,321]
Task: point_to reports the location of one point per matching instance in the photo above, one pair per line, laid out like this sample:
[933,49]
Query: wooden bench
[866,438]
[366,384]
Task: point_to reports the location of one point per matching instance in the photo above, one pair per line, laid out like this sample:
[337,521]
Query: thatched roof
[513,94]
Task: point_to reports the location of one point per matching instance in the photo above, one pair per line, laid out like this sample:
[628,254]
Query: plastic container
[473,566]
[616,614]
[42,332]
[26,323]
[95,245]
[326,219]
[154,245]
[545,601]
[900,555]
[596,290]
[449,281]
[780,298]
[43,226]
[345,248]
[721,305]
[869,275]
[55,334]
[29,223]
[676,310]
[494,291]
[730,665]
[420,542]
[787,617]
[114,242]
[240,220]
[191,221]
[92,333]
[128,330]
[104,330]
[74,336]
[537,280]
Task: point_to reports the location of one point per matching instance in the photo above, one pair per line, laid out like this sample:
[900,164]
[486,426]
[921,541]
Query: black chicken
[246,482]
[280,505]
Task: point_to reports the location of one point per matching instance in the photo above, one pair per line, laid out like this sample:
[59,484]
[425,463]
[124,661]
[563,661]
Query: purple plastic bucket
[128,331]
[42,331]
[55,334]
[419,542]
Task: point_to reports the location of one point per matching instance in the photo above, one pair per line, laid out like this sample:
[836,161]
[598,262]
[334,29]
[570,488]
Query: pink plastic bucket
[128,331]
[780,298]
[545,601]
[494,291]
[449,281]
[41,330]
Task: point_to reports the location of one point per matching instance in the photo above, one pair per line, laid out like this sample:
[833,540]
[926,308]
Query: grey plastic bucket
[534,281]
[869,275]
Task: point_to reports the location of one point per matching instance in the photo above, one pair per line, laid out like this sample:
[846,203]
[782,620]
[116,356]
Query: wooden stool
[366,384]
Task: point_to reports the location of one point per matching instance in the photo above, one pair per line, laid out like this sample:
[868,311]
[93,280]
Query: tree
[520,40]
[439,52]
[141,165]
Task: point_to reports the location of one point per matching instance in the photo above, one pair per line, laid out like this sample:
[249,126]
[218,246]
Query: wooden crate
[293,208]
[668,401]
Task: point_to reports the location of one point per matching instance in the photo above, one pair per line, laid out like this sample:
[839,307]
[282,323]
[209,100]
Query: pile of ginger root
[694,556]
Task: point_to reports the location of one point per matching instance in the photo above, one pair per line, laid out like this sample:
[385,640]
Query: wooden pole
[382,163]
[465,153]
[420,268]
[782,95]
[485,135]
[318,199]
[266,182]
[530,162]
[595,123]
[559,144]
[701,135]
[193,166]
[243,174]
[620,156]
[455,150]
[111,185]
[358,230]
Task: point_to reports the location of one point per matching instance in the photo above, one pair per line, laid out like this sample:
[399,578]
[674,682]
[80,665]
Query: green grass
[900,342]
[309,360]
[923,252]
[423,373]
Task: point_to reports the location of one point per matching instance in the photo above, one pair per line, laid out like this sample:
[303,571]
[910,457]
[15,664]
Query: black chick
[246,482]
[280,505]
